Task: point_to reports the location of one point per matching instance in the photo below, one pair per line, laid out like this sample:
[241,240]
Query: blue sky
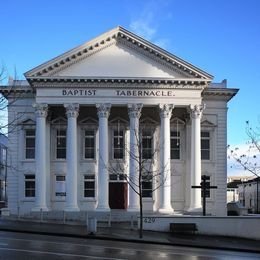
[221,37]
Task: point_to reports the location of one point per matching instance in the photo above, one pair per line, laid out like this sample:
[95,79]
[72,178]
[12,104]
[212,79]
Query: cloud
[149,21]
[233,167]
[143,28]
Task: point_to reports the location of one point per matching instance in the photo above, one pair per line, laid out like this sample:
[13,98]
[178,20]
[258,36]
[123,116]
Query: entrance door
[118,195]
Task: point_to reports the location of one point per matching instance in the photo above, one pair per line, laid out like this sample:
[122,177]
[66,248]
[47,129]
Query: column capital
[41,109]
[134,110]
[103,110]
[196,111]
[72,110]
[166,110]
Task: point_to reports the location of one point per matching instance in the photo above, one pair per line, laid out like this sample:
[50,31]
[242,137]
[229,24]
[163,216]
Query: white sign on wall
[60,186]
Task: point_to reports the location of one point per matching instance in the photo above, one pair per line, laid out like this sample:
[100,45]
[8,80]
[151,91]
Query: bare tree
[248,160]
[148,175]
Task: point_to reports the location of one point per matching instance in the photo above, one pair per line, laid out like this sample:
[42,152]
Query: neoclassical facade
[93,120]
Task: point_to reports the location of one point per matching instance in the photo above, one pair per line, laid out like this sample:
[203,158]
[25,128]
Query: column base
[166,210]
[194,211]
[71,209]
[133,210]
[103,209]
[39,209]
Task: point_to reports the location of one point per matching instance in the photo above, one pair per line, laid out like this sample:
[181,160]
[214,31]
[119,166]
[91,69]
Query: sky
[221,37]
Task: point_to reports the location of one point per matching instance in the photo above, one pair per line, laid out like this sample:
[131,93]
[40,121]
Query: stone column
[165,159]
[103,111]
[134,112]
[195,194]
[71,156]
[41,111]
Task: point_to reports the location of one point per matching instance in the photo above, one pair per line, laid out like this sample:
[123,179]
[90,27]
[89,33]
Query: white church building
[85,122]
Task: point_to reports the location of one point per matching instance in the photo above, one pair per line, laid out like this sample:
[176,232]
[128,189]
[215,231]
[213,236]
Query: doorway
[118,195]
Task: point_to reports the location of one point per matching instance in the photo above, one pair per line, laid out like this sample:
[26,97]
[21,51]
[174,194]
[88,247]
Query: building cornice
[219,93]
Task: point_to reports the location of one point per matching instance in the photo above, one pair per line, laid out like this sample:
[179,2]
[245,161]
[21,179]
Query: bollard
[64,216]
[109,219]
[86,218]
[41,216]
[92,226]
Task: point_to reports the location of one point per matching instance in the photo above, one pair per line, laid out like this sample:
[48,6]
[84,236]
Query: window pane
[30,132]
[205,155]
[89,185]
[205,134]
[175,154]
[89,193]
[30,153]
[204,144]
[61,153]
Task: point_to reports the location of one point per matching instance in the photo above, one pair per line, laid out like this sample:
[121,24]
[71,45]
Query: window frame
[209,139]
[84,130]
[113,142]
[152,130]
[89,178]
[178,137]
[29,180]
[56,143]
[25,142]
[146,179]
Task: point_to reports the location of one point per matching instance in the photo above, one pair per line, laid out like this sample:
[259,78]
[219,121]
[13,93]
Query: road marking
[59,254]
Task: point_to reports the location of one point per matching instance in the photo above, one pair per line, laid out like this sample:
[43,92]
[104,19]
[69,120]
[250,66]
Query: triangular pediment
[117,54]
[207,123]
[88,121]
[177,121]
[59,121]
[27,121]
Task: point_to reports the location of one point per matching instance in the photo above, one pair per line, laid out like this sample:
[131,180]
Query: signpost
[204,186]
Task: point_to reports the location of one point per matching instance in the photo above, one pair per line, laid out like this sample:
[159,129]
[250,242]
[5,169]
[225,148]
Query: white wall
[246,226]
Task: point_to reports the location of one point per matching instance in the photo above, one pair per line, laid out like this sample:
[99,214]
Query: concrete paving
[124,232]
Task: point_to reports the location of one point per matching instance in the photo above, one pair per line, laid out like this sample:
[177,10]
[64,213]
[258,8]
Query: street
[31,246]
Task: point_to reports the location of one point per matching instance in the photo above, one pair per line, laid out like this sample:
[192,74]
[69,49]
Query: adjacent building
[249,195]
[87,118]
[3,169]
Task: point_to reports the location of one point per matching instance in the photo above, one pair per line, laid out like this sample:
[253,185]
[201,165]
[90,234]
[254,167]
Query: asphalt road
[29,246]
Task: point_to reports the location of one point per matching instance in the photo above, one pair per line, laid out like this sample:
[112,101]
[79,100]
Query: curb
[104,237]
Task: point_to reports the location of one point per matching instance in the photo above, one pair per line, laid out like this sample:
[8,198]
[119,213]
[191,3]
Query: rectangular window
[147,144]
[89,144]
[29,185]
[61,144]
[205,145]
[147,187]
[89,186]
[175,145]
[118,144]
[30,144]
[60,186]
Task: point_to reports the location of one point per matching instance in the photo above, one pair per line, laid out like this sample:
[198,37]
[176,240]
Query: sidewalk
[123,233]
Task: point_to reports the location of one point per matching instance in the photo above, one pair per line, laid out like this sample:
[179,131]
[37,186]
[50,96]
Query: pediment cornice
[118,35]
